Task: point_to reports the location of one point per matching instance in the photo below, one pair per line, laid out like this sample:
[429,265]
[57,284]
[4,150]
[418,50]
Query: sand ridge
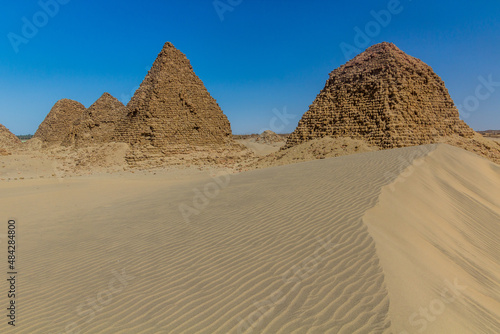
[437,229]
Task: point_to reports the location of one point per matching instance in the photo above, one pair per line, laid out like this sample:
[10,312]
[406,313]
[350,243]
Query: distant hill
[24,137]
[490,133]
[256,135]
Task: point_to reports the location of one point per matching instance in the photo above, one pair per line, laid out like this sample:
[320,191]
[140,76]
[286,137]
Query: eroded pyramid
[59,122]
[98,123]
[8,141]
[172,107]
[385,97]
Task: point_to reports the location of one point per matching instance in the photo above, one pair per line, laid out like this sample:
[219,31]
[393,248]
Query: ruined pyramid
[59,122]
[172,107]
[8,141]
[97,124]
[384,97]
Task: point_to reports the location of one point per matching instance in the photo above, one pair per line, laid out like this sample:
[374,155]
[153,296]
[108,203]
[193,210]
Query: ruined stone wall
[385,97]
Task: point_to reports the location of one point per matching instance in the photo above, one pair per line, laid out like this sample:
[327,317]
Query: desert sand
[394,241]
[262,144]
[497,139]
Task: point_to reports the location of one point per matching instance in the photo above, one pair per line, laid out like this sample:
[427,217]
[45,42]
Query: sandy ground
[259,149]
[494,138]
[107,160]
[365,243]
[319,148]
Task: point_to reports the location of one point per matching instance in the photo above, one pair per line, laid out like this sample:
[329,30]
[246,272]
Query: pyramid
[59,122]
[8,140]
[269,137]
[98,123]
[173,107]
[384,97]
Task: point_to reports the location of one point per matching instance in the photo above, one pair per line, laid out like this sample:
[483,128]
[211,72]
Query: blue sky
[260,59]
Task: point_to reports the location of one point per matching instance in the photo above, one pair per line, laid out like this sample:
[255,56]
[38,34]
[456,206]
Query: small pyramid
[8,140]
[59,122]
[268,137]
[385,97]
[98,123]
[172,106]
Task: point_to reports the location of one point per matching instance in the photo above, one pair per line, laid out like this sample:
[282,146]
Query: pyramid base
[230,155]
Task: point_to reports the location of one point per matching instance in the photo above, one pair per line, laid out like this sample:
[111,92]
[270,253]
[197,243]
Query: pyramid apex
[169,51]
[106,94]
[67,101]
[169,45]
[106,98]
[384,46]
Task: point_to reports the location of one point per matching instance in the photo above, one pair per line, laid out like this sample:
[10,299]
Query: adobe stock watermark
[30,27]
[295,274]
[223,6]
[279,121]
[93,305]
[373,28]
[484,90]
[436,307]
[202,197]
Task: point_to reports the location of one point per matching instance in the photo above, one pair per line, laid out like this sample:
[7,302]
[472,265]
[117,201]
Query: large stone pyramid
[59,122]
[173,107]
[98,123]
[385,97]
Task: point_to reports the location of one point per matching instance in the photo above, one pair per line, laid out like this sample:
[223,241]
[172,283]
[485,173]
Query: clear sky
[264,61]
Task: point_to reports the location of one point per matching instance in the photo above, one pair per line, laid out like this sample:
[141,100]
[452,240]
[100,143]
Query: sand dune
[312,247]
[437,230]
[259,149]
[319,148]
